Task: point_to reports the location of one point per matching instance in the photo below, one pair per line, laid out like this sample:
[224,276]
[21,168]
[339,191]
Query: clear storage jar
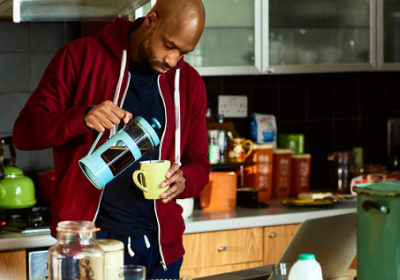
[76,254]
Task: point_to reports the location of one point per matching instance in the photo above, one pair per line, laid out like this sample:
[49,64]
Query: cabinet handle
[272,234]
[222,249]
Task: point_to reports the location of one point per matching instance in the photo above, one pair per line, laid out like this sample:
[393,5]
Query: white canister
[113,257]
[187,205]
[306,268]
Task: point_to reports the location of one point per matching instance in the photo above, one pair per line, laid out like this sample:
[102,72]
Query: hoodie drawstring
[177,104]
[130,251]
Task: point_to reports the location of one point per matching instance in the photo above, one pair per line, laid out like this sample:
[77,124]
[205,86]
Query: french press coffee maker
[120,151]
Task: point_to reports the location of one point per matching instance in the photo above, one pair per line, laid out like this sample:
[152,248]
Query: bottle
[222,140]
[305,268]
[76,254]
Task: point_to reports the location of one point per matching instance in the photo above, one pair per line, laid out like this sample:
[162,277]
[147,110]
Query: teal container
[378,231]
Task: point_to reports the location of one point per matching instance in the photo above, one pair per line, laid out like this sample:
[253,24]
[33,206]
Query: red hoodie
[89,71]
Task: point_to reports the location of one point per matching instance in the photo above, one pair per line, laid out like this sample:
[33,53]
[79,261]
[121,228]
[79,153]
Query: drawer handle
[273,234]
[222,249]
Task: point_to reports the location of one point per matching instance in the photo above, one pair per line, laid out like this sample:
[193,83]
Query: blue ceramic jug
[120,151]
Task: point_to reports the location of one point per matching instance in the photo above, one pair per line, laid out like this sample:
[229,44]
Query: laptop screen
[333,241]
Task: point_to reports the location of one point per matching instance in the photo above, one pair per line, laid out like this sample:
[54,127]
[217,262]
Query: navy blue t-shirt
[123,209]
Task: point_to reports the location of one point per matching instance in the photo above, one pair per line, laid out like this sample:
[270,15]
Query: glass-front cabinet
[318,35]
[285,36]
[231,40]
[388,35]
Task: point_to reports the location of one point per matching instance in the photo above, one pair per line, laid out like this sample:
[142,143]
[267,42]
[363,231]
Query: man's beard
[147,58]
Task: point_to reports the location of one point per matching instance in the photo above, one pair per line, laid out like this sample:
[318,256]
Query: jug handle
[250,145]
[367,204]
[95,143]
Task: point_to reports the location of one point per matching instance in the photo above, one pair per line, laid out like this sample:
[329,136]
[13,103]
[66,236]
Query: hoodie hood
[115,36]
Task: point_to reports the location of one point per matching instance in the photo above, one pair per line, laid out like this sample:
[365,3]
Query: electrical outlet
[232,106]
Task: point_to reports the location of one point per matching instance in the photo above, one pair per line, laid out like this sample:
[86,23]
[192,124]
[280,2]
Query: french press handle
[97,141]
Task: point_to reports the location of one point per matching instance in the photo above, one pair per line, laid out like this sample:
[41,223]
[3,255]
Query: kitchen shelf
[230,165]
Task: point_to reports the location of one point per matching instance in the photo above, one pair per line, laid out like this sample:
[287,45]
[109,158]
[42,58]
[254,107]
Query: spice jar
[76,254]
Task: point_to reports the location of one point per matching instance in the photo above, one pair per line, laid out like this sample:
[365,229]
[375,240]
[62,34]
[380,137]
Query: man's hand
[175,180]
[105,115]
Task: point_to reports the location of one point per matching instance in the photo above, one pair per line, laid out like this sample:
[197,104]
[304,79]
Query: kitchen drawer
[211,249]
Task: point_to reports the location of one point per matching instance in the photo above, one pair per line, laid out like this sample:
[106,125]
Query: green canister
[378,231]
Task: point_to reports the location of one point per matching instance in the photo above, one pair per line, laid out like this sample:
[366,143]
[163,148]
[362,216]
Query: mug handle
[135,175]
[250,144]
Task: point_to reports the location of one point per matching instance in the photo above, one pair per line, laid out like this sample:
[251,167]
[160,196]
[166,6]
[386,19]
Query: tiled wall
[334,111]
[25,50]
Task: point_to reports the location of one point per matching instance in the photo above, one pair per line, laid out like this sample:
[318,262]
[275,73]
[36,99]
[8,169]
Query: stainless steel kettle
[16,190]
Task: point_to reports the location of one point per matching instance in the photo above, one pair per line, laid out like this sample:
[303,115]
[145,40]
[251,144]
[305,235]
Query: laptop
[332,239]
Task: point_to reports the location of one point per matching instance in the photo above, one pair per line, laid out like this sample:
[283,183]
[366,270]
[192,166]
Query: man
[95,84]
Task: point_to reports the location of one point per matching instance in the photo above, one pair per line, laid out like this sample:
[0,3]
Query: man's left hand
[175,181]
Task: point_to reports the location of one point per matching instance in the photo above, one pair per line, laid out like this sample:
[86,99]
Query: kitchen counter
[203,221]
[275,214]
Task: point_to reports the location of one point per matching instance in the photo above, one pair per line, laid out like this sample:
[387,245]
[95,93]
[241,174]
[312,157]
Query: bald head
[182,17]
[170,30]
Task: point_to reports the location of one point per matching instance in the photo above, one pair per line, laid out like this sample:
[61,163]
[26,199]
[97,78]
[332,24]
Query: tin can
[113,257]
[259,175]
[281,173]
[300,181]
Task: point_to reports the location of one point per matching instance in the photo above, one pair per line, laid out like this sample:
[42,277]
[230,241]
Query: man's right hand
[105,115]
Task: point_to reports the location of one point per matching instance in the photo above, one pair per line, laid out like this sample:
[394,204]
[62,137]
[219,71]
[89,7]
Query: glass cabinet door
[230,43]
[319,35]
[388,34]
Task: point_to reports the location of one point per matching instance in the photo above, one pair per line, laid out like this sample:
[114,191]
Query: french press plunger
[120,151]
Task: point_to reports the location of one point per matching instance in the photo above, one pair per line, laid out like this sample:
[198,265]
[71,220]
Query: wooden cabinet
[222,251]
[13,265]
[276,239]
[225,251]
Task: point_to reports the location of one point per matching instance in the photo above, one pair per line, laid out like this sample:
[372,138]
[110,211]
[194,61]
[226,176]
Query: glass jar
[76,254]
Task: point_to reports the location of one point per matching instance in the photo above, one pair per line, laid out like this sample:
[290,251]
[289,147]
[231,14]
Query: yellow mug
[149,177]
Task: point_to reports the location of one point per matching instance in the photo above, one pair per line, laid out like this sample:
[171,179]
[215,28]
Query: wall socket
[232,106]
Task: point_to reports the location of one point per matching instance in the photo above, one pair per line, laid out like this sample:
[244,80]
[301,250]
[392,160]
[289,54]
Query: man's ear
[151,18]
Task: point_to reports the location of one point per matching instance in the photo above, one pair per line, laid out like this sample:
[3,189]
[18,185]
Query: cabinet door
[13,265]
[202,272]
[212,249]
[276,239]
[230,43]
[388,35]
[319,35]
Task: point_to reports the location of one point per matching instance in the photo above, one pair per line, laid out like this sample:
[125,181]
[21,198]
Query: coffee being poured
[120,151]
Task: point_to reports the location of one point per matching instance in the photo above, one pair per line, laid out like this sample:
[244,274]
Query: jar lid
[380,189]
[76,227]
[110,245]
[282,151]
[302,156]
[260,146]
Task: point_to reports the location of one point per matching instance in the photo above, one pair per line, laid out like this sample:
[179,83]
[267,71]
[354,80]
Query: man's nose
[172,59]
